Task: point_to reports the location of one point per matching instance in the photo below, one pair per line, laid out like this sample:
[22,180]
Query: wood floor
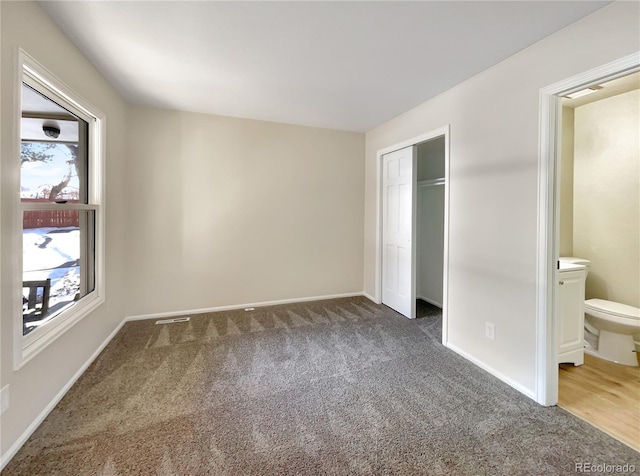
[605,394]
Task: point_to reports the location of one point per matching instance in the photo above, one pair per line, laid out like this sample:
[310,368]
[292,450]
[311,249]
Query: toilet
[613,323]
[581,261]
[616,324]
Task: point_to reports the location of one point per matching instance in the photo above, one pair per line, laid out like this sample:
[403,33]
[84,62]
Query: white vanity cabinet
[570,279]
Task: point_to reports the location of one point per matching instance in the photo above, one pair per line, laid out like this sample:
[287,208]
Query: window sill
[39,339]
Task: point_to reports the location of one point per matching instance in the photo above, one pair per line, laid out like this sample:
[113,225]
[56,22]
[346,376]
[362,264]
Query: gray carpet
[330,387]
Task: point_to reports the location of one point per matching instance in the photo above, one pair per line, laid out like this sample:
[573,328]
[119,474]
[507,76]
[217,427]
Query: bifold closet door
[398,198]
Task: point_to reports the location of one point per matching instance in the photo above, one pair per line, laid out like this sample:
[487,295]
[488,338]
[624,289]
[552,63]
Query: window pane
[58,256]
[53,152]
[48,172]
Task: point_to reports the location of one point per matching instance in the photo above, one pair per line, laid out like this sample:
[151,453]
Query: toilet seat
[612,309]
[616,323]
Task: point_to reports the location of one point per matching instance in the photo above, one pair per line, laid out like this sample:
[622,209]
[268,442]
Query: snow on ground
[53,253]
[47,248]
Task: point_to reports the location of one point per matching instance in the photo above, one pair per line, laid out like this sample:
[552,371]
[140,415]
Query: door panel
[391,215]
[391,275]
[399,191]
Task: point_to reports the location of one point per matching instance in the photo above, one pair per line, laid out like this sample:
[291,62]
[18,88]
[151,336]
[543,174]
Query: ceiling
[342,65]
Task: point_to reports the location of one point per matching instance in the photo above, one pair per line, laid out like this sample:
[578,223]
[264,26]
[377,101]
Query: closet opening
[430,198]
[413,226]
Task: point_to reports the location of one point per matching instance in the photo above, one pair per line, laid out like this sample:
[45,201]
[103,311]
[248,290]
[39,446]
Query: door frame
[433,134]
[549,215]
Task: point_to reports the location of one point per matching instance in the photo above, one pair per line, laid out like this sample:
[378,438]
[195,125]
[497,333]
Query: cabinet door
[570,313]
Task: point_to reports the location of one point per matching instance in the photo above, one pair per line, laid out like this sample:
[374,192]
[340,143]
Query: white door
[398,198]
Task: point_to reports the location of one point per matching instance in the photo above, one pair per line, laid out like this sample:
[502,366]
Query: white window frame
[30,72]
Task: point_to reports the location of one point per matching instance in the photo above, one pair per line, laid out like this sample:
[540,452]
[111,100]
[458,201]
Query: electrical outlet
[4,399]
[490,330]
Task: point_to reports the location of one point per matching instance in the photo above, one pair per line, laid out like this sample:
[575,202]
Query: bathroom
[600,223]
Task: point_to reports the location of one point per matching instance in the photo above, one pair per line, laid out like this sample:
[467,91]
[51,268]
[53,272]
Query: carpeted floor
[330,387]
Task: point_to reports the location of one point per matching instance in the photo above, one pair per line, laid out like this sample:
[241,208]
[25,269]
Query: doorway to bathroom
[413,226]
[589,215]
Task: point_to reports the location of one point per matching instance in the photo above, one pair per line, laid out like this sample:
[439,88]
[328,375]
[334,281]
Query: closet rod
[431,183]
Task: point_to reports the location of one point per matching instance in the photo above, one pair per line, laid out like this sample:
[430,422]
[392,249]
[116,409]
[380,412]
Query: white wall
[226,211]
[34,386]
[607,196]
[493,186]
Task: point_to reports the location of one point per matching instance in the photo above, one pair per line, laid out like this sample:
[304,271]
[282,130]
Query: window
[59,208]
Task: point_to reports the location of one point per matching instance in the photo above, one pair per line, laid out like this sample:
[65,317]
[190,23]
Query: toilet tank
[573,260]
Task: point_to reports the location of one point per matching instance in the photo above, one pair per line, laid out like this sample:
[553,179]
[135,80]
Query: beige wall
[36,384]
[225,211]
[566,183]
[494,185]
[606,218]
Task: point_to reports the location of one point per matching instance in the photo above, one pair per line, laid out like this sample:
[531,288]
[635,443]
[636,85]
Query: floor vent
[172,321]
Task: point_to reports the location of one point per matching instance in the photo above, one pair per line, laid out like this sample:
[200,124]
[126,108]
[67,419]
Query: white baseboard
[238,306]
[370,298]
[431,301]
[10,453]
[520,388]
